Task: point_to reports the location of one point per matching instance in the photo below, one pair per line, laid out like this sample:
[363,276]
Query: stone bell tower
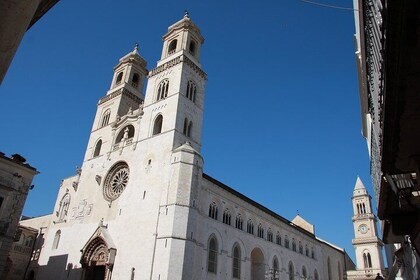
[368,246]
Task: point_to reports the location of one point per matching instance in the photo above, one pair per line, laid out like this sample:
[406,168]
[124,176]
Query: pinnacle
[359,184]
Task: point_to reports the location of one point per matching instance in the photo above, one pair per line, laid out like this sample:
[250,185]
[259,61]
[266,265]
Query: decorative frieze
[175,61]
[121,91]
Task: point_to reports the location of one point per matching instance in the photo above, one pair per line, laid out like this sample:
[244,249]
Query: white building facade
[140,207]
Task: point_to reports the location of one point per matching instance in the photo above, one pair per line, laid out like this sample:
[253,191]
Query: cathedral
[140,206]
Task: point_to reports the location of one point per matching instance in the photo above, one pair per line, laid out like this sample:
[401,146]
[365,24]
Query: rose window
[116,181]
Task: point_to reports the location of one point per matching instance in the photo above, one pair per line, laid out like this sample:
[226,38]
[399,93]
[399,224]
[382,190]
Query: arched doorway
[95,260]
[257,265]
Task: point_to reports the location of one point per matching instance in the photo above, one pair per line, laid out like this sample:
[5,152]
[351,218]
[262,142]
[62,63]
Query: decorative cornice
[195,67]
[171,63]
[121,91]
[165,66]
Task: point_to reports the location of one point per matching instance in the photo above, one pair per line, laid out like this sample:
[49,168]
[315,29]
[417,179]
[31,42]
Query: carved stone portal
[95,260]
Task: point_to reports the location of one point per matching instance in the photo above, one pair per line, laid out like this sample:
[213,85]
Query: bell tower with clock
[366,243]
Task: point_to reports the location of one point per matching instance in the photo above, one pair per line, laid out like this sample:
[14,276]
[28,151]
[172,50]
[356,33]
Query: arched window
[275,268]
[226,216]
[157,127]
[306,250]
[187,127]
[269,235]
[367,260]
[278,239]
[97,150]
[135,80]
[125,133]
[29,241]
[119,78]
[64,208]
[192,47]
[293,244]
[239,222]
[212,257]
[329,268]
[163,88]
[105,118]
[191,91]
[286,242]
[312,253]
[300,248]
[56,239]
[291,271]
[304,273]
[172,47]
[316,276]
[363,208]
[260,231]
[236,265]
[213,211]
[250,227]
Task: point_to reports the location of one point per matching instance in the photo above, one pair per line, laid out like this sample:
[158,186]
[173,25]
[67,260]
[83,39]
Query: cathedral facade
[140,206]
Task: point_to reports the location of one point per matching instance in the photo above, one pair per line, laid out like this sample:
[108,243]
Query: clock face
[363,228]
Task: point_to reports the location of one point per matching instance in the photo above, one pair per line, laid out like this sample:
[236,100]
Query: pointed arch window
[105,118]
[286,242]
[163,89]
[213,211]
[293,244]
[304,273]
[269,235]
[260,231]
[56,240]
[275,268]
[316,276]
[291,271]
[239,222]
[172,46]
[212,255]
[236,265]
[191,91]
[226,217]
[157,127]
[119,78]
[312,253]
[250,227]
[278,239]
[300,248]
[306,250]
[63,208]
[97,150]
[187,127]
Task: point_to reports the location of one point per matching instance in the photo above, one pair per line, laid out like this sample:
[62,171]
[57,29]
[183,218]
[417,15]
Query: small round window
[116,180]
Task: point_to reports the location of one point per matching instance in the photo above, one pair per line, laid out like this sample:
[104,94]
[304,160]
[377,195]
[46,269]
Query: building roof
[18,160]
[271,213]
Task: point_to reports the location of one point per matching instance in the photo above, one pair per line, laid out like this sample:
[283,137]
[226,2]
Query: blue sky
[282,119]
